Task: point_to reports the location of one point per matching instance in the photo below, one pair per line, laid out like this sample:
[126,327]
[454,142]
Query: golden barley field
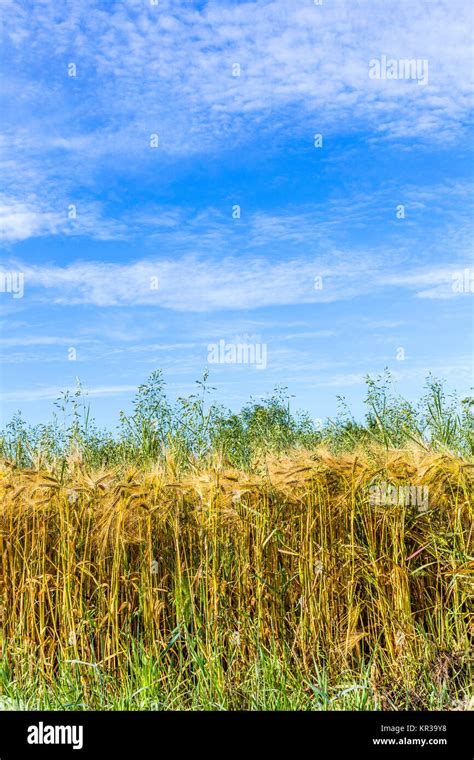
[284,588]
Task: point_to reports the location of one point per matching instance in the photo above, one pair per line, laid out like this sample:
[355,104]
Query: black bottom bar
[216,734]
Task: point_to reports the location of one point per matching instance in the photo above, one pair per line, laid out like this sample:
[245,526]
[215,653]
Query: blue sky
[92,214]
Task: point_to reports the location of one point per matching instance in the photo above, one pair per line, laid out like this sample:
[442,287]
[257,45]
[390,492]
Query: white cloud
[442,279]
[40,216]
[343,379]
[55,391]
[190,283]
[43,340]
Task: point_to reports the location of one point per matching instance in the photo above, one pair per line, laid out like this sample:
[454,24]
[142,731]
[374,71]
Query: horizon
[203,388]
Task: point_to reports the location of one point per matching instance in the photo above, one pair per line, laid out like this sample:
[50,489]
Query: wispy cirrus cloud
[446,207]
[303,68]
[290,54]
[55,391]
[192,284]
[436,282]
[42,217]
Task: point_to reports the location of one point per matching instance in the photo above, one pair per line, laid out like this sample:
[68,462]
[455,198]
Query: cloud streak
[191,284]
